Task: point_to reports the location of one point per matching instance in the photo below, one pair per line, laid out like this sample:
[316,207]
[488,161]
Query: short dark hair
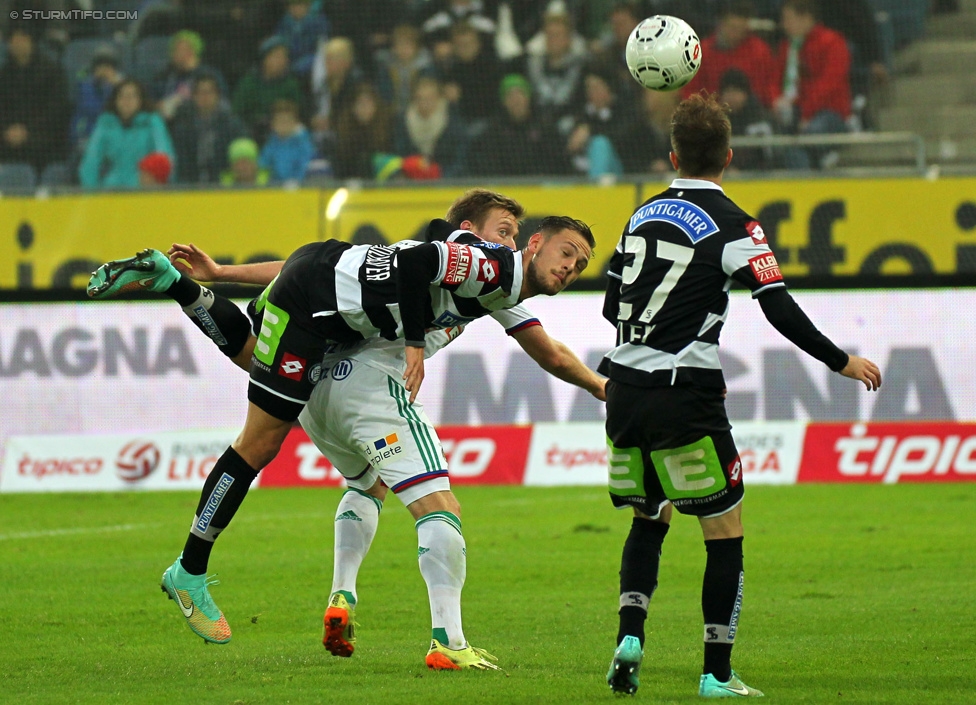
[110,104]
[700,135]
[802,7]
[552,224]
[476,204]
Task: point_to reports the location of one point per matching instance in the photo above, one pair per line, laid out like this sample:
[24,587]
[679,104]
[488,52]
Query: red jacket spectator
[825,65]
[752,56]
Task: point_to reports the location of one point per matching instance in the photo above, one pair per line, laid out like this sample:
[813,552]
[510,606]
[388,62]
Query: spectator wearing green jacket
[264,84]
[124,134]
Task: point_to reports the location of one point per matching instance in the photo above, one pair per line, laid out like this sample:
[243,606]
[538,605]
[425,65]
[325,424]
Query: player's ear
[674,160]
[535,243]
[728,159]
[468,225]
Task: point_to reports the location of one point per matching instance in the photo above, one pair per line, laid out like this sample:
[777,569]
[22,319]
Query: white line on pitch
[69,532]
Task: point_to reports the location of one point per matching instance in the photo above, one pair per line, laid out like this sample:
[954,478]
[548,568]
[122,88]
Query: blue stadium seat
[17,177]
[149,57]
[56,174]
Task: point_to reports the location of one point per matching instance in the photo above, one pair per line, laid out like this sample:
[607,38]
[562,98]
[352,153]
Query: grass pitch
[853,594]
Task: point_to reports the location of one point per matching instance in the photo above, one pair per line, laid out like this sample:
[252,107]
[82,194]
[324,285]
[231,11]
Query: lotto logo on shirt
[458,263]
[766,268]
[756,232]
[488,271]
[292,367]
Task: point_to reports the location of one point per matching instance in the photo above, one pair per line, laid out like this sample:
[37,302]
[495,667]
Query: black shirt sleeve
[417,267]
[782,311]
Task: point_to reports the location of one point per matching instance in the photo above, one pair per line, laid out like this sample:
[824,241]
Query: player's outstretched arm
[559,361]
[193,262]
[863,370]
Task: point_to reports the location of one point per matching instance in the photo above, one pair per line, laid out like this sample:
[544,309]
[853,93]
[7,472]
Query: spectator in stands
[516,143]
[855,20]
[648,144]
[92,93]
[362,131]
[733,45]
[154,170]
[598,137]
[399,67]
[431,130]
[289,148]
[813,78]
[447,13]
[749,119]
[303,26]
[242,155]
[34,108]
[264,84]
[557,74]
[124,134]
[471,79]
[334,79]
[202,131]
[174,84]
[610,47]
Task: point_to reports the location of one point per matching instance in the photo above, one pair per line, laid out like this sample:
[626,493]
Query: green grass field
[853,594]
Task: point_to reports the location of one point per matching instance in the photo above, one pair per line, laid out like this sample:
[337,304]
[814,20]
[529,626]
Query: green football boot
[710,687]
[191,594]
[149,270]
[623,676]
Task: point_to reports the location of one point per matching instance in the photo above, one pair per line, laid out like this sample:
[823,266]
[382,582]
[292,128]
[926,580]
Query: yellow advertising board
[817,227]
[57,242]
[866,226]
[395,214]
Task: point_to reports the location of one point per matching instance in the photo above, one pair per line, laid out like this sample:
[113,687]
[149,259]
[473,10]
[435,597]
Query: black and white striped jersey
[404,289]
[669,279]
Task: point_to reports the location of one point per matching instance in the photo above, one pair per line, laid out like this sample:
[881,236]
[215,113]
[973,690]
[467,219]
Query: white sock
[357,517]
[443,565]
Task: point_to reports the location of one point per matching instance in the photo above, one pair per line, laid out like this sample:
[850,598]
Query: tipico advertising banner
[109,368]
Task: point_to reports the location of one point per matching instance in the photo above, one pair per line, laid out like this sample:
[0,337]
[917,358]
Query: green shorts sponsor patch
[626,471]
[690,471]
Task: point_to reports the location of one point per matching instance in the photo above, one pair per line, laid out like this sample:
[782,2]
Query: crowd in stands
[253,92]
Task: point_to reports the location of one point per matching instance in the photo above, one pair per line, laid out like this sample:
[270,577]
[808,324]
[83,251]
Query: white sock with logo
[357,517]
[443,564]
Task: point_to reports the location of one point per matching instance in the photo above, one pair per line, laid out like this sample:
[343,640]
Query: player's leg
[218,317]
[630,485]
[721,602]
[281,384]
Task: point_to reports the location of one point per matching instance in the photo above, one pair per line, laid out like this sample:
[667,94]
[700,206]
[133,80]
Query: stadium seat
[149,56]
[17,177]
[56,174]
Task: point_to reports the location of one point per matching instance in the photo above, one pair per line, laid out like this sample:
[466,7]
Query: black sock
[721,600]
[217,316]
[223,492]
[638,575]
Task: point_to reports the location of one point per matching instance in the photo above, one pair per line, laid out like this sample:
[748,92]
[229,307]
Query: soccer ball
[663,53]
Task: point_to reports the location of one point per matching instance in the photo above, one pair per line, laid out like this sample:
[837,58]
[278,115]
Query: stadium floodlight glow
[336,203]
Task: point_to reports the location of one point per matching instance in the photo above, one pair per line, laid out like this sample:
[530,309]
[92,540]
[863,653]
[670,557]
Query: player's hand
[194,262]
[601,391]
[863,370]
[415,371]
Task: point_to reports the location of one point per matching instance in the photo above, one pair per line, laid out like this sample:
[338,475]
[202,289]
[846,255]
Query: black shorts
[291,340]
[671,444]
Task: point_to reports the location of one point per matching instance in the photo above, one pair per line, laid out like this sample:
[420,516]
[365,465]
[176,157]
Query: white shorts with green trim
[359,418]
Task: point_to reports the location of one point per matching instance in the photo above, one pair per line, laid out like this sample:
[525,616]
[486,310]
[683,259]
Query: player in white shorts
[359,417]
